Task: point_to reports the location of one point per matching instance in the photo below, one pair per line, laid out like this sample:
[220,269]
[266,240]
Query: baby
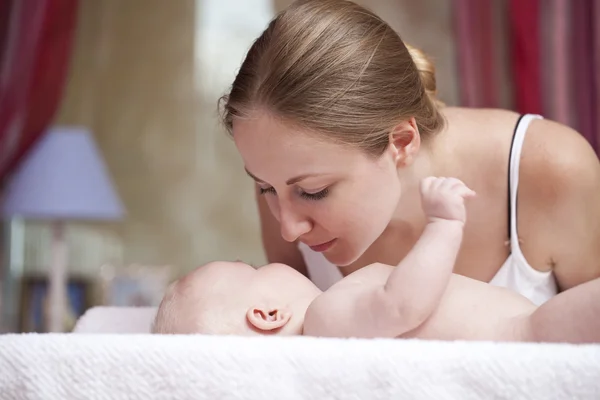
[418,298]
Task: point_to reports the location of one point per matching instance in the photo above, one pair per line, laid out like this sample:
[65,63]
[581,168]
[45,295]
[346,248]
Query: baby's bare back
[468,310]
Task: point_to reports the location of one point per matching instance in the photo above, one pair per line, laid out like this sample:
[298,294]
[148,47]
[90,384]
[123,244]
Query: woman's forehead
[265,143]
[267,132]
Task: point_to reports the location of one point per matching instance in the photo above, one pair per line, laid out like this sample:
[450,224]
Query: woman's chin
[341,259]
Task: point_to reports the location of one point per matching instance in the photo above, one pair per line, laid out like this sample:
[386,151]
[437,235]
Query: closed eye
[266,190]
[305,195]
[315,196]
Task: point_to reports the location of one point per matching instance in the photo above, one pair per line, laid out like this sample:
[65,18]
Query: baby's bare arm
[417,284]
[411,293]
[413,289]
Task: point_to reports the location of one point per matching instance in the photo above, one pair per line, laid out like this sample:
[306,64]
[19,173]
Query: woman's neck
[433,160]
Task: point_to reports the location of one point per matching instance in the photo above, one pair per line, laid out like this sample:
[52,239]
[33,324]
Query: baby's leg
[571,316]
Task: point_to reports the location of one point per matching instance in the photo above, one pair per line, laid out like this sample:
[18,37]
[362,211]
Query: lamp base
[57,278]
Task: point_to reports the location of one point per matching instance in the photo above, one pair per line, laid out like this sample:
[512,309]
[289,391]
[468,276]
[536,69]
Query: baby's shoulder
[377,273]
[353,285]
[334,312]
[351,307]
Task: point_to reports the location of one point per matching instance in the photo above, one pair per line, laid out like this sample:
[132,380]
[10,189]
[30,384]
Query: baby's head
[235,298]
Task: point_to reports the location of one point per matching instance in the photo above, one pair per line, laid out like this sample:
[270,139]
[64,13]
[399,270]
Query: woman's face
[334,198]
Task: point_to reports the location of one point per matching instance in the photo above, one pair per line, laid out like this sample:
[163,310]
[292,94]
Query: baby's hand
[443,198]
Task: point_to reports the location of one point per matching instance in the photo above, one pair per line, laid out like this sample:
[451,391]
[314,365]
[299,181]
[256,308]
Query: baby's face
[235,298]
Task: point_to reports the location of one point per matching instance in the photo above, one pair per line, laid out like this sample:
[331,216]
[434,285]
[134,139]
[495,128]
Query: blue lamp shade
[63,178]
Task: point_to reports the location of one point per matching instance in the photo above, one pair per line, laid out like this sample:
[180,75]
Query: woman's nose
[293,224]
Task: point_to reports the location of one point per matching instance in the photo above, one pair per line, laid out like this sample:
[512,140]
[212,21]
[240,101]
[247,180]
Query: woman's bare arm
[576,216]
[559,203]
[410,295]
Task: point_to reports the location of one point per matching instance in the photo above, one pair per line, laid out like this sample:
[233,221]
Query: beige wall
[140,81]
[133,81]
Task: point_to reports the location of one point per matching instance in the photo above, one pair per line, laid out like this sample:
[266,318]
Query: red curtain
[35,45]
[552,53]
[478,69]
[525,47]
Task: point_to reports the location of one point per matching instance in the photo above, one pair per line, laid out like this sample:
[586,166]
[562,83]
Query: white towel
[107,319]
[122,366]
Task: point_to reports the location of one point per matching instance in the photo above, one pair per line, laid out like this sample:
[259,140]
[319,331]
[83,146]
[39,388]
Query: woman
[336,120]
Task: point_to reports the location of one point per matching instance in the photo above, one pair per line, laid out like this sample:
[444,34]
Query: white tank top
[515,273]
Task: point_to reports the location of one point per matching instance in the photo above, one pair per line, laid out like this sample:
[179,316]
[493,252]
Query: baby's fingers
[450,183]
[457,186]
[465,192]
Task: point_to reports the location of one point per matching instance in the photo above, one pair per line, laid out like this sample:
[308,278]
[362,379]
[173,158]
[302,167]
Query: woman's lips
[319,248]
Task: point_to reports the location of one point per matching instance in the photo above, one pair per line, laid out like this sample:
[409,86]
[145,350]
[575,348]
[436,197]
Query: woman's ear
[268,319]
[405,142]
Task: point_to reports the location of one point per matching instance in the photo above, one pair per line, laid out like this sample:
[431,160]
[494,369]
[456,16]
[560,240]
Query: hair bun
[426,71]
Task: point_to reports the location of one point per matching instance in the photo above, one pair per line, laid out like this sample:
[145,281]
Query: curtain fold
[557,85]
[477,58]
[596,68]
[525,51]
[582,68]
[553,52]
[35,45]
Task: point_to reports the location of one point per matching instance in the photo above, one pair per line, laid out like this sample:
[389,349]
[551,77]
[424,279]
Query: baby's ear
[268,319]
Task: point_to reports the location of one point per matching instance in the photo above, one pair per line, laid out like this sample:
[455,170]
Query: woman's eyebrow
[288,182]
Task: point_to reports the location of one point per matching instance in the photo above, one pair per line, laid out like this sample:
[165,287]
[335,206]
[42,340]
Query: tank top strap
[513,174]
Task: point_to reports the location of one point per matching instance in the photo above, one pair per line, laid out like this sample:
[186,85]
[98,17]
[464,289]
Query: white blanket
[143,366]
[104,319]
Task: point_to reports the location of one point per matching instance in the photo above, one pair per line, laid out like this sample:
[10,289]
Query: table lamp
[63,178]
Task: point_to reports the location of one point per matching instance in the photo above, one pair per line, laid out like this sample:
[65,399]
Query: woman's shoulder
[559,161]
[551,150]
[489,120]
[559,189]
[560,184]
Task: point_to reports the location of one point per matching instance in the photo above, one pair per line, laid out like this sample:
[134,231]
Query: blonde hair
[426,72]
[335,69]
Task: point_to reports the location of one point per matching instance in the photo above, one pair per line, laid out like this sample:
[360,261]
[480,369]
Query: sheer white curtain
[225,29]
